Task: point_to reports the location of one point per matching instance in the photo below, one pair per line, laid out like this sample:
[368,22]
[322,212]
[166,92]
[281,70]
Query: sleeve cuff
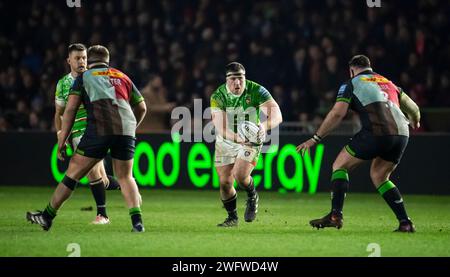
[342,99]
[75,92]
[60,103]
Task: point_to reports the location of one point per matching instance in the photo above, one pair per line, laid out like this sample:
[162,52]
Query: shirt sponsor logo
[375,79]
[108,73]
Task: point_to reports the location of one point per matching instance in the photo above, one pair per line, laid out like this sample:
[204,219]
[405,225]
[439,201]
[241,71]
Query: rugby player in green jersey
[385,111]
[233,102]
[98,179]
[114,108]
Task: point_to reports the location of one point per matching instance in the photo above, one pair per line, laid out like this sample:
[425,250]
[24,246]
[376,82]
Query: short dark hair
[234,67]
[76,47]
[98,54]
[359,61]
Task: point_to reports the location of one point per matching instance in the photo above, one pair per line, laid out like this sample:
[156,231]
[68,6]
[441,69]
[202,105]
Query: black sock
[113,184]
[250,189]
[230,206]
[339,187]
[394,199]
[98,191]
[49,212]
[136,215]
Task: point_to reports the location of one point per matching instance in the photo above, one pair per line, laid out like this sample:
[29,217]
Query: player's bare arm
[220,122]
[140,110]
[273,113]
[70,111]
[410,108]
[59,111]
[332,120]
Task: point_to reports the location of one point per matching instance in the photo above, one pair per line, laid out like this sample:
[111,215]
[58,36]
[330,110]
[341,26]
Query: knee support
[69,182]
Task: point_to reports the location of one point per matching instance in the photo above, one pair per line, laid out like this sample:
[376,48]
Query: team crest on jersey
[248,100]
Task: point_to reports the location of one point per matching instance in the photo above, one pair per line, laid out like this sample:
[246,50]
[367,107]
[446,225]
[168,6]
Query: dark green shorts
[365,146]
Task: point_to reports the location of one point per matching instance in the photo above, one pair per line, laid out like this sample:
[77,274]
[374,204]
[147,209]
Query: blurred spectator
[296,49]
[159,108]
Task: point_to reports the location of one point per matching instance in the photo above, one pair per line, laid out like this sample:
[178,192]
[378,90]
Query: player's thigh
[381,170]
[225,153]
[242,169]
[123,168]
[345,160]
[246,160]
[97,172]
[225,173]
[80,165]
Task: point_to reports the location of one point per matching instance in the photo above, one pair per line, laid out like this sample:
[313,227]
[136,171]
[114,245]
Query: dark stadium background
[175,51]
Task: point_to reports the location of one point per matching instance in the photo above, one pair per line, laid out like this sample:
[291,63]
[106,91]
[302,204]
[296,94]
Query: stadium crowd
[176,51]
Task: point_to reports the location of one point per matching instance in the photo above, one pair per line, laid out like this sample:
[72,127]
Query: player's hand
[261,133]
[304,147]
[61,150]
[415,125]
[238,139]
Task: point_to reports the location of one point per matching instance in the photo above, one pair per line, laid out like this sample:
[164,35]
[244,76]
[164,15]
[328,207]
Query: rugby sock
[113,184]
[250,189]
[394,199]
[230,206]
[49,212]
[339,188]
[98,191]
[136,215]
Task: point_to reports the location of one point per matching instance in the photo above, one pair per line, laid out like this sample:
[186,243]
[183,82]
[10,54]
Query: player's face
[77,61]
[236,84]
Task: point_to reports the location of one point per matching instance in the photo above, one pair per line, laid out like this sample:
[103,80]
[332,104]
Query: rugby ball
[249,131]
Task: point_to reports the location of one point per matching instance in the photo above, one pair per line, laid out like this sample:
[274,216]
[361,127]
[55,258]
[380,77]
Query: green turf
[183,223]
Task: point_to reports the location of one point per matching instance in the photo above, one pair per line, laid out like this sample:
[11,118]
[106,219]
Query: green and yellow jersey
[238,108]
[61,98]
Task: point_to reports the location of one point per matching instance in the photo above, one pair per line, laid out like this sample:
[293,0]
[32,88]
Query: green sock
[393,198]
[49,212]
[339,189]
[136,215]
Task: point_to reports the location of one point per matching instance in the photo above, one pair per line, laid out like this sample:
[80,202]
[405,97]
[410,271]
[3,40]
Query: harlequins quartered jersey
[376,100]
[108,96]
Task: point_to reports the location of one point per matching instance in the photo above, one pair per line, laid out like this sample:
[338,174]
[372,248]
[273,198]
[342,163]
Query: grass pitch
[183,223]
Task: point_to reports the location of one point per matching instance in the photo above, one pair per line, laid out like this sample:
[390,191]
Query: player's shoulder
[252,85]
[256,89]
[65,78]
[116,73]
[220,91]
[346,85]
